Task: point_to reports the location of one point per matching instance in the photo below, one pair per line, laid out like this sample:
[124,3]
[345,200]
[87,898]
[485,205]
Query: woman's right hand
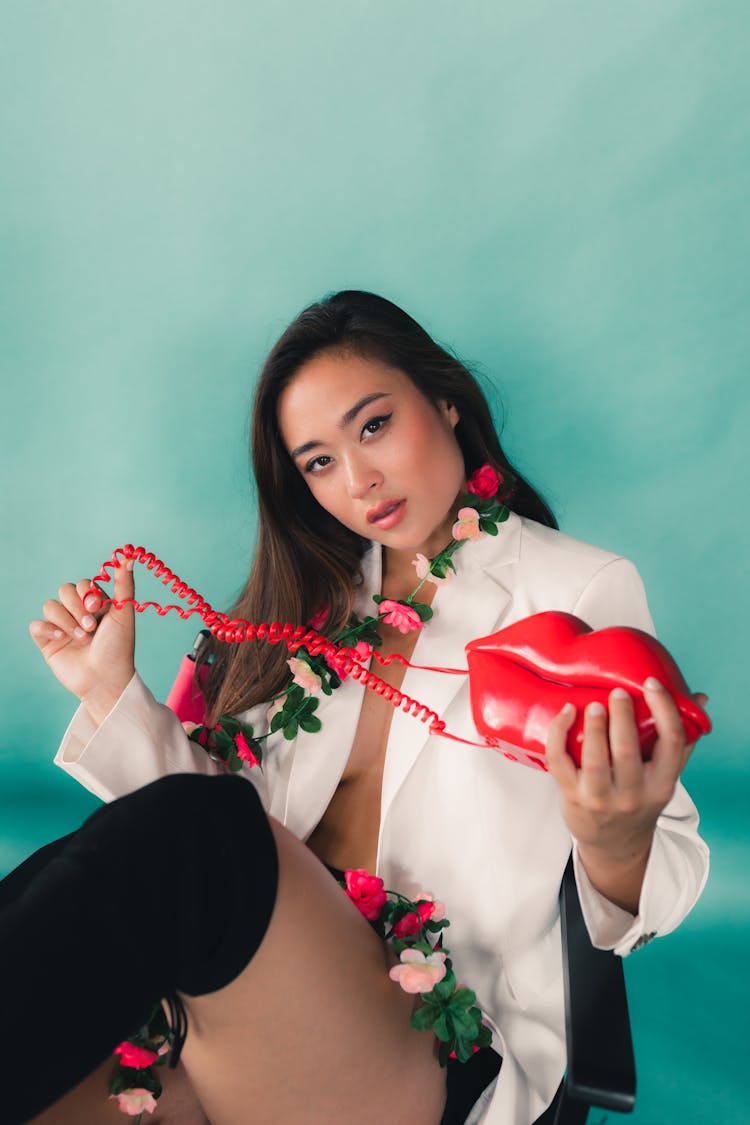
[91,651]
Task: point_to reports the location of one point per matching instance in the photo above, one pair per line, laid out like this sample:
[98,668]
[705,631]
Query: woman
[365,433]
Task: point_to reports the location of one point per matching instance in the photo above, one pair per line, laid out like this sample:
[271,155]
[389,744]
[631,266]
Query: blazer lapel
[472,604]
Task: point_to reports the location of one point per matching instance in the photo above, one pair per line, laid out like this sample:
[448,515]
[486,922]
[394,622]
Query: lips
[521,677]
[387,514]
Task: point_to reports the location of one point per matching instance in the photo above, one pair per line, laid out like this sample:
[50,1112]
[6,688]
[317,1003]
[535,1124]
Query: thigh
[88,1103]
[313,1030]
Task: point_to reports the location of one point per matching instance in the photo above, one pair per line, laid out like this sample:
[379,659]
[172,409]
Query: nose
[361,476]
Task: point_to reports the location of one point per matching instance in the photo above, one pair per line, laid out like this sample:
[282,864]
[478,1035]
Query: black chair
[601,1066]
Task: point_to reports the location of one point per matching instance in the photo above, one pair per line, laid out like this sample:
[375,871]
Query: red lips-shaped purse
[520,678]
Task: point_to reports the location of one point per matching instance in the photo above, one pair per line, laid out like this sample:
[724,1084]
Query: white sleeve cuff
[139,741]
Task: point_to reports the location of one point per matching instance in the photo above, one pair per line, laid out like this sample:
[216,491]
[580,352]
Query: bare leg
[88,1103]
[313,1030]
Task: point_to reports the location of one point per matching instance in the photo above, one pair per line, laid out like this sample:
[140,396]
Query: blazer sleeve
[678,864]
[139,741]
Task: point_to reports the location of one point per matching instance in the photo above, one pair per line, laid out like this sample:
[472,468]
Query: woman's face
[374,452]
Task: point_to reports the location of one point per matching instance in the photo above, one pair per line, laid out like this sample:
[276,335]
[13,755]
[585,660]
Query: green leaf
[463,1050]
[424,611]
[441,1029]
[277,721]
[464,996]
[444,988]
[294,697]
[310,723]
[235,764]
[444,1054]
[231,725]
[464,1023]
[424,1018]
[290,730]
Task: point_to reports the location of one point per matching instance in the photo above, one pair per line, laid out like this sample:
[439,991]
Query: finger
[92,597]
[669,750]
[596,770]
[124,588]
[559,762]
[624,744]
[71,599]
[58,615]
[44,633]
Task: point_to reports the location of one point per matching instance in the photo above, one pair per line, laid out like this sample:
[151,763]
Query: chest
[347,833]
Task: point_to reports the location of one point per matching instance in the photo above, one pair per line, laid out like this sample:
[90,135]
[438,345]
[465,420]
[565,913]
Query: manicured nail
[619,693]
[78,632]
[90,601]
[88,621]
[595,709]
[652,684]
[57,634]
[130,564]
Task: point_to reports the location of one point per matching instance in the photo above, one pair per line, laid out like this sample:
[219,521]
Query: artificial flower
[467,524]
[133,1055]
[244,751]
[189,727]
[400,616]
[438,909]
[366,892]
[485,482]
[419,972]
[422,566]
[412,922]
[135,1101]
[303,674]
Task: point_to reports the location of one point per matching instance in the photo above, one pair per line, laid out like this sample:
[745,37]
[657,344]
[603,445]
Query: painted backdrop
[559,192]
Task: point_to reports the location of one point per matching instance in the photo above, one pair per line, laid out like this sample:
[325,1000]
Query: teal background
[559,191]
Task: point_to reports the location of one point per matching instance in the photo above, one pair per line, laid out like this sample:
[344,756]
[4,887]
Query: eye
[376,424]
[320,462]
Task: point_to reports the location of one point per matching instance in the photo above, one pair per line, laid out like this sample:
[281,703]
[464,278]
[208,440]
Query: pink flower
[417,972]
[438,909]
[467,524]
[366,892]
[422,566]
[189,727]
[411,922]
[318,620]
[485,482]
[133,1055]
[363,650]
[135,1101]
[303,674]
[244,751]
[401,616]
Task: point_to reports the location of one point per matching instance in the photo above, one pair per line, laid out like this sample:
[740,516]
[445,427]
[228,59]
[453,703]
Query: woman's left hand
[611,804]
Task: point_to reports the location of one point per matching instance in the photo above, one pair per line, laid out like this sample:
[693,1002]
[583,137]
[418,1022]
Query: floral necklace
[293,709]
[413,927]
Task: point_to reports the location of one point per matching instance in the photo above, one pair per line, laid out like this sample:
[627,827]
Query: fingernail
[130,564]
[619,693]
[652,684]
[78,632]
[90,601]
[88,621]
[568,710]
[595,709]
[57,633]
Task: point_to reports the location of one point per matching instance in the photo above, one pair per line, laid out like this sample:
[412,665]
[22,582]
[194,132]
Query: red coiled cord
[237,630]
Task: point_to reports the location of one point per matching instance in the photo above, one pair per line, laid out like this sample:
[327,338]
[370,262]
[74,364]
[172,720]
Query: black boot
[168,889]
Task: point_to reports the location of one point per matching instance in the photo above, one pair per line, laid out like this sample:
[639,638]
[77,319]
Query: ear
[449,411]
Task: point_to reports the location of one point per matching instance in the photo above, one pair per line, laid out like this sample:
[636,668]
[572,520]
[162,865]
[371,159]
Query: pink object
[185,696]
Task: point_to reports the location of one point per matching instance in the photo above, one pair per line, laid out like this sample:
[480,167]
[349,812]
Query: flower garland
[410,926]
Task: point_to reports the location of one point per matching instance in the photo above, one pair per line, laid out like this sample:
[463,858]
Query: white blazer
[481,833]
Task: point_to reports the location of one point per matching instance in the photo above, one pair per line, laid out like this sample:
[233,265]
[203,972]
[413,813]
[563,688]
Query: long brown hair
[305,560]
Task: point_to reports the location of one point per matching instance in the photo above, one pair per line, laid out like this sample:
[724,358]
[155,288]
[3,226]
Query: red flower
[133,1055]
[244,751]
[412,921]
[484,482]
[366,892]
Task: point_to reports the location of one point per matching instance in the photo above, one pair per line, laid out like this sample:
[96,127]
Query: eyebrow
[350,415]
